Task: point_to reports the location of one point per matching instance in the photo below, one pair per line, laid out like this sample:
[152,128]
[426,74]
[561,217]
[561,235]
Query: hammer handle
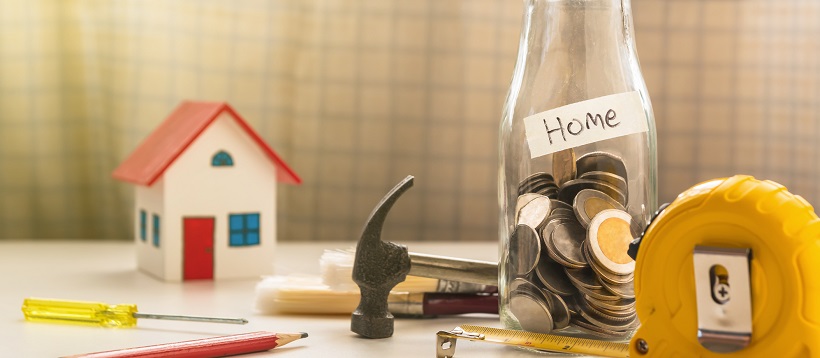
[448,268]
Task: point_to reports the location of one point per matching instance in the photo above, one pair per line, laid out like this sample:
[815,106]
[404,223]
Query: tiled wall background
[356,94]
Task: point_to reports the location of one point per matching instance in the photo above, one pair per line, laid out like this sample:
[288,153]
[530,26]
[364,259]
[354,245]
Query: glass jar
[577,176]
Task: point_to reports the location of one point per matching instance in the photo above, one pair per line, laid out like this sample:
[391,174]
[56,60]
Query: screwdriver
[99,314]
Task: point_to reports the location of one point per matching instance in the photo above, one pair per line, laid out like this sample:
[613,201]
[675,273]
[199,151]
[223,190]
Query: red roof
[164,145]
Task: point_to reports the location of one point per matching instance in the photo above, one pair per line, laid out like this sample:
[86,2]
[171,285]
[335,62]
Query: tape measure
[446,341]
[730,269]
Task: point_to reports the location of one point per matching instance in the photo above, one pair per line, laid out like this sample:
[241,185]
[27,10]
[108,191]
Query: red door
[198,248]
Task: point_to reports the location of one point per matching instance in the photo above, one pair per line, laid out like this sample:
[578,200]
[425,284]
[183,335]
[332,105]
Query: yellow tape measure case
[711,224]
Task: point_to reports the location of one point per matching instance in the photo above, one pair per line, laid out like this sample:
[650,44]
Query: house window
[244,229]
[156,230]
[143,224]
[222,159]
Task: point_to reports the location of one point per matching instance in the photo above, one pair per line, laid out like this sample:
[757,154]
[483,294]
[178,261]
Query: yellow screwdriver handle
[78,312]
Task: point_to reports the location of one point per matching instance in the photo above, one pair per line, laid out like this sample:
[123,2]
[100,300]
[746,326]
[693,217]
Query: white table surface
[106,272]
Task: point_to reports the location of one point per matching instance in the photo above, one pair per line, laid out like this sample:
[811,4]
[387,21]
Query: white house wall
[149,257]
[194,188]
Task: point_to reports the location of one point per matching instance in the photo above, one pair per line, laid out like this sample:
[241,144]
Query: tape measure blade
[550,342]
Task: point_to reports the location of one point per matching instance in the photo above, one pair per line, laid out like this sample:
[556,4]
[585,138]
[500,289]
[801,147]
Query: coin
[531,311]
[535,212]
[627,305]
[563,166]
[583,278]
[525,249]
[552,252]
[603,320]
[604,275]
[557,204]
[624,290]
[534,179]
[589,202]
[609,178]
[601,161]
[558,310]
[518,283]
[541,186]
[571,188]
[609,237]
[552,276]
[592,329]
[532,212]
[549,191]
[567,239]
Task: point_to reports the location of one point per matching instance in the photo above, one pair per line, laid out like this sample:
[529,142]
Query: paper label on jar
[585,122]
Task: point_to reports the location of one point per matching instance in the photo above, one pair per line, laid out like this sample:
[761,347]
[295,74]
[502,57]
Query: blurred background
[357,94]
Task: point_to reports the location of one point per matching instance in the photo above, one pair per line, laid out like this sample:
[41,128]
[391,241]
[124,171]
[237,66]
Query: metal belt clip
[446,341]
[724,299]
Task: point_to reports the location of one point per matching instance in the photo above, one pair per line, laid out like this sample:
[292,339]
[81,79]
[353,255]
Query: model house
[205,195]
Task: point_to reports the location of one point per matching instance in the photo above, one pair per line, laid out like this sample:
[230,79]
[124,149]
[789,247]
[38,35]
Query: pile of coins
[568,250]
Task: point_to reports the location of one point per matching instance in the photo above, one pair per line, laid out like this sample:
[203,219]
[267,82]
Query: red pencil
[207,347]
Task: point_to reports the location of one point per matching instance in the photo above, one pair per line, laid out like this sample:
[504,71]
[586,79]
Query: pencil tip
[304,335]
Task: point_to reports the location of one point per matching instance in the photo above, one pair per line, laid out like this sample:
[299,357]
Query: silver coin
[567,239]
[609,236]
[624,290]
[622,313]
[557,204]
[624,305]
[609,178]
[552,276]
[523,200]
[571,188]
[563,166]
[541,186]
[525,249]
[532,179]
[583,278]
[623,318]
[603,320]
[562,211]
[600,294]
[548,191]
[535,212]
[589,202]
[558,310]
[518,283]
[601,161]
[594,330]
[552,252]
[531,311]
[552,222]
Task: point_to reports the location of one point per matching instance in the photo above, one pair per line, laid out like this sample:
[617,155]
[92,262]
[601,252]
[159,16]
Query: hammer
[379,266]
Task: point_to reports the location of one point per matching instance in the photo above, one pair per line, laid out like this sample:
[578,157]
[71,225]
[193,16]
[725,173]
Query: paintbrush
[337,273]
[309,295]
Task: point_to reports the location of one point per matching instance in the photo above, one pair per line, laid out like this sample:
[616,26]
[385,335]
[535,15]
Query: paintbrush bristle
[337,273]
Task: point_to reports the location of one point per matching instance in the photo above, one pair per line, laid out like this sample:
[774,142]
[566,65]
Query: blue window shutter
[156,230]
[143,225]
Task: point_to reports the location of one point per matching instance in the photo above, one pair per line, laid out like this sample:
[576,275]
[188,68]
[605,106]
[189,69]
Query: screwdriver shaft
[191,318]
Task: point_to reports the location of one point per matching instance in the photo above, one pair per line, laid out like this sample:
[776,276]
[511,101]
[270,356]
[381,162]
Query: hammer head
[378,267]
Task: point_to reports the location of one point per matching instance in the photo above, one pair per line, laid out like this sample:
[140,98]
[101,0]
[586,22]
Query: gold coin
[593,206]
[609,237]
[614,237]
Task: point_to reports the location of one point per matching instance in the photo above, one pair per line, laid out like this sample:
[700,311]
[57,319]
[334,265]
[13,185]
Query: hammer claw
[379,266]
